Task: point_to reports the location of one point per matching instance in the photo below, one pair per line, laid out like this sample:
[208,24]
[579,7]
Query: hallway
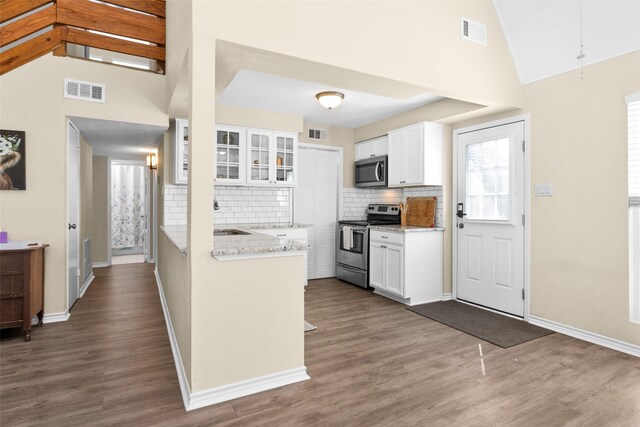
[110,363]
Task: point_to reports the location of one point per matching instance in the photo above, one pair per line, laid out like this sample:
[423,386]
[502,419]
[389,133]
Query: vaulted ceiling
[545,35]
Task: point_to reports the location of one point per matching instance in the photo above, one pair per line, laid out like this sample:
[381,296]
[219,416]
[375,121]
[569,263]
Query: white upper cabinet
[372,148]
[244,156]
[260,157]
[230,154]
[416,155]
[181,164]
[286,158]
[272,158]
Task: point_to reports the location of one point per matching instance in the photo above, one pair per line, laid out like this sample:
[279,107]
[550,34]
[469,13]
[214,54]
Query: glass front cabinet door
[260,157]
[181,164]
[272,158]
[230,154]
[285,159]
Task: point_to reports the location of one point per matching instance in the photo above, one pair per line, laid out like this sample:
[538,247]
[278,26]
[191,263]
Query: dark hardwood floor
[371,362]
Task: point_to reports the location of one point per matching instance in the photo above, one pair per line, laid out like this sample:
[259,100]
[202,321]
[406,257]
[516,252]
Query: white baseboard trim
[227,392]
[177,358]
[86,284]
[56,317]
[245,388]
[591,337]
[446,297]
[100,264]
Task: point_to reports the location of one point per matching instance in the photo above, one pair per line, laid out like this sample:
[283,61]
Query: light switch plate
[543,190]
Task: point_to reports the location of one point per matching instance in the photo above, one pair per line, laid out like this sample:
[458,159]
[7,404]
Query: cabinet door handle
[281,235]
[385,237]
[383,246]
[372,155]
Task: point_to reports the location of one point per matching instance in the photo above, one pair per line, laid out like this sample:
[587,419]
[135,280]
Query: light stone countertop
[243,244]
[405,228]
[259,226]
[254,243]
[178,236]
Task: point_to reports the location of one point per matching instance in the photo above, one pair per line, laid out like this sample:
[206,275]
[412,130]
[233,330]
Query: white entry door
[73,195]
[490,217]
[316,204]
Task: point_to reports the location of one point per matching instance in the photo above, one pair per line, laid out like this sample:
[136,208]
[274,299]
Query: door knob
[72,226]
[461,225]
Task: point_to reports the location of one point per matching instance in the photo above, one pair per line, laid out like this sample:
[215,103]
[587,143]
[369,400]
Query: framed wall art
[12,160]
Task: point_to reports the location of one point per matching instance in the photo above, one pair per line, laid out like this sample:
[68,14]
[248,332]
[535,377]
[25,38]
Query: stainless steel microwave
[371,172]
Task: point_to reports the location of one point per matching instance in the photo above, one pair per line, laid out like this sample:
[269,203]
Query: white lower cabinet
[296,234]
[406,266]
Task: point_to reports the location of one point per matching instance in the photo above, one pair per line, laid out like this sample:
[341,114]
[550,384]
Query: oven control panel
[383,209]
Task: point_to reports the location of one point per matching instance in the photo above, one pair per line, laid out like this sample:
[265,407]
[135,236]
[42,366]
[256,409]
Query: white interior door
[73,192]
[490,217]
[304,203]
[316,203]
[147,216]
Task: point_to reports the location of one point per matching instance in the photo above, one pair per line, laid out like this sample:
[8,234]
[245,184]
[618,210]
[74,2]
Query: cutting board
[421,211]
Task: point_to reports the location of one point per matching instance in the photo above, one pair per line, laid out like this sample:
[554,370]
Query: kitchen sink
[229,232]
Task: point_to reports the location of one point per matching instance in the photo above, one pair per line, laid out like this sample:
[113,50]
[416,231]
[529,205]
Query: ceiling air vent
[86,91]
[318,134]
[474,31]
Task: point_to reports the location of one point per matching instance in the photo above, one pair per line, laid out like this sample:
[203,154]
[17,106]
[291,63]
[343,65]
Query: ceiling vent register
[318,134]
[86,91]
[474,31]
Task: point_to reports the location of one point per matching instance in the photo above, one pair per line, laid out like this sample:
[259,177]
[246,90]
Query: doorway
[316,201]
[490,206]
[129,212]
[73,214]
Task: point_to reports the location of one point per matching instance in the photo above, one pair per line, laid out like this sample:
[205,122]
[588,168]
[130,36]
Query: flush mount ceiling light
[330,99]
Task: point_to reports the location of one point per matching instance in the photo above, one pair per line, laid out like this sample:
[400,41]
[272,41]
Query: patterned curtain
[127,205]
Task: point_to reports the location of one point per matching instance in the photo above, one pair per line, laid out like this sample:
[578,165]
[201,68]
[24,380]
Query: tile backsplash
[355,200]
[252,204]
[261,204]
[175,204]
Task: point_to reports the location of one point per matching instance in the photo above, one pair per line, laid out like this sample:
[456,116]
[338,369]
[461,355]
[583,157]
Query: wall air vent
[86,91]
[318,134]
[474,31]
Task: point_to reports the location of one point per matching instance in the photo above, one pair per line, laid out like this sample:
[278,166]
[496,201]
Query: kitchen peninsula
[245,241]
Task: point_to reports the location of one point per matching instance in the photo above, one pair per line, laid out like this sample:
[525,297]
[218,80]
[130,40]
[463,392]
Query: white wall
[579,237]
[579,244]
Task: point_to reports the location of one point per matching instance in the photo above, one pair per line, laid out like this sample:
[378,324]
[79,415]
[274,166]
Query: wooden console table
[21,287]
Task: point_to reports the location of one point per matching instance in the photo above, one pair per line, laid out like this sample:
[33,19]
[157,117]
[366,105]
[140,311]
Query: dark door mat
[500,330]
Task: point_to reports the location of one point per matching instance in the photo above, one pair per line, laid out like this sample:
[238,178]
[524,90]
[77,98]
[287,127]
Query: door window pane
[487,180]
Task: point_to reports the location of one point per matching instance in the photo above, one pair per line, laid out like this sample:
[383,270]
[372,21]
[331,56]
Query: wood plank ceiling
[133,27]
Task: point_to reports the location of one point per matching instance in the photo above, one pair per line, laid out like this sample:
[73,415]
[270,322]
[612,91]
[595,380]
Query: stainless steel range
[352,254]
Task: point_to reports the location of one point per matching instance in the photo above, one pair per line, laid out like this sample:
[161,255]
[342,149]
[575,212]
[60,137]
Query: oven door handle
[355,229]
[377,173]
